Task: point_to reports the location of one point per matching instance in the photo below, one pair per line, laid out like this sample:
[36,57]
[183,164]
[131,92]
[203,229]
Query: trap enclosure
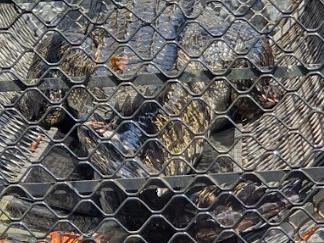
[161,121]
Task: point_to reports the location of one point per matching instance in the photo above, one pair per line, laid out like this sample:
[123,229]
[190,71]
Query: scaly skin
[179,143]
[175,137]
[223,53]
[25,33]
[227,210]
[16,207]
[74,63]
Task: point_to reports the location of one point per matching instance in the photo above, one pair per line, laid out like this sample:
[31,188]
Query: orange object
[34,145]
[305,236]
[68,237]
[119,62]
[63,237]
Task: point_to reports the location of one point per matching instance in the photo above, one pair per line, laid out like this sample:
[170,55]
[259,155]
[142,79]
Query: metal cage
[161,121]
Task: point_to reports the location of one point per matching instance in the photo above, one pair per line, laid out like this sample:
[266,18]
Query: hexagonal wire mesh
[161,121]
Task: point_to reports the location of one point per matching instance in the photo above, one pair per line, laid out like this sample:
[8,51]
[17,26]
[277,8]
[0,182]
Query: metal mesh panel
[161,121]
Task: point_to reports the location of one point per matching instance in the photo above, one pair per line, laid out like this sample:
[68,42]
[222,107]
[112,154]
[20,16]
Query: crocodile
[25,65]
[122,145]
[239,46]
[74,63]
[180,142]
[302,111]
[175,98]
[197,115]
[226,209]
[39,219]
[17,25]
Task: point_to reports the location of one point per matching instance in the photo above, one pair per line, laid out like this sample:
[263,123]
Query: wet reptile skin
[179,142]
